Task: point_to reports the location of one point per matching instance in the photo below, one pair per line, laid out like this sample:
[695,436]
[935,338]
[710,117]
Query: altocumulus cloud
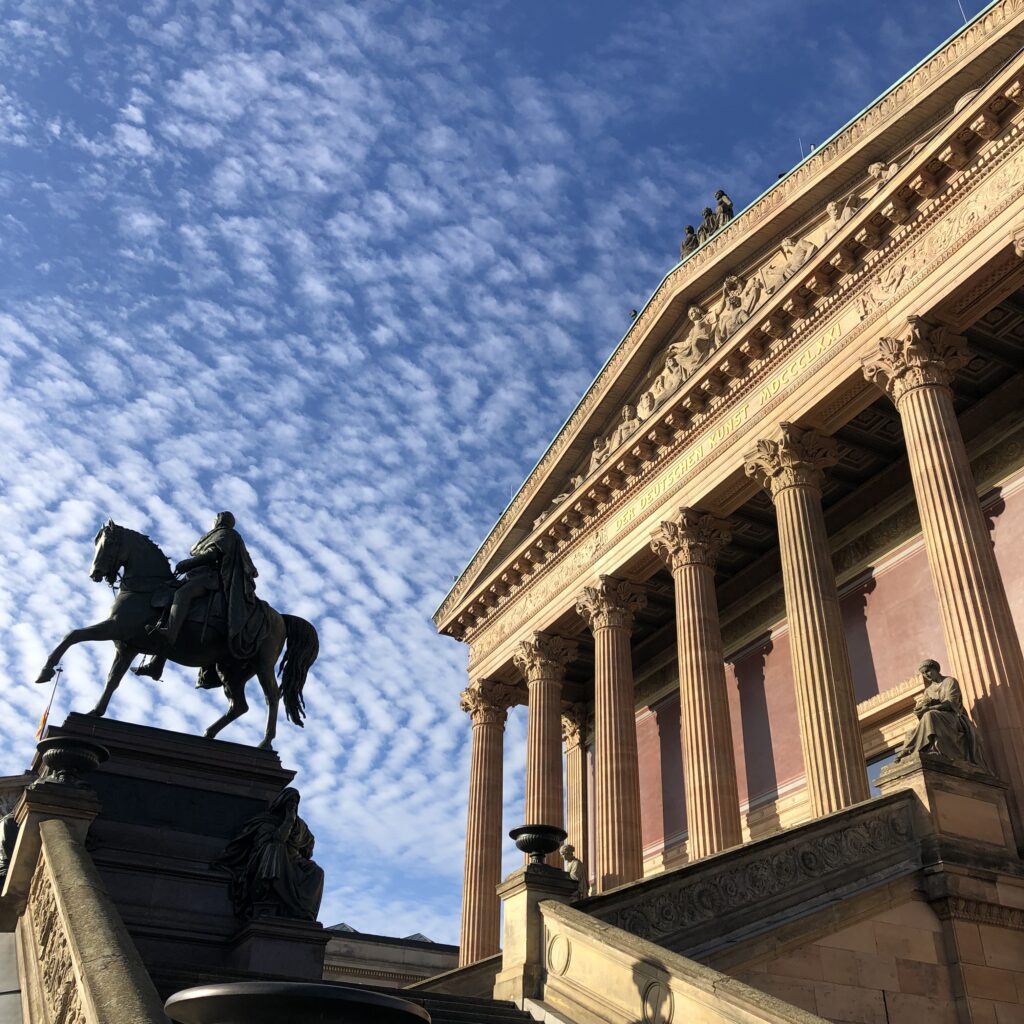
[344,268]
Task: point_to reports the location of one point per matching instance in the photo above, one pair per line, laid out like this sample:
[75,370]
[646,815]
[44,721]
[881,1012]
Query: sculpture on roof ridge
[221,627]
[723,211]
[689,243]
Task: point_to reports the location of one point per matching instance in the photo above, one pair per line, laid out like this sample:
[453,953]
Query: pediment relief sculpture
[709,329]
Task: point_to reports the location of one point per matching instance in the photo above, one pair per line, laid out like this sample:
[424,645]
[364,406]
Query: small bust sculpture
[574,868]
[270,861]
[943,727]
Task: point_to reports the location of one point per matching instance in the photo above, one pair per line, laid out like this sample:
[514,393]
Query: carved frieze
[56,967]
[661,910]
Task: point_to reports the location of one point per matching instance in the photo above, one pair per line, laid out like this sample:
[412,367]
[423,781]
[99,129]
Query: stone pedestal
[522,961]
[956,802]
[170,804]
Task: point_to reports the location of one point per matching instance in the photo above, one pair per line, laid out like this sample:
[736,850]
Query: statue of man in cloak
[220,561]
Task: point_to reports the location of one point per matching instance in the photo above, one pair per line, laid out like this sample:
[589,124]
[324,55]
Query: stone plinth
[522,963]
[170,804]
[956,801]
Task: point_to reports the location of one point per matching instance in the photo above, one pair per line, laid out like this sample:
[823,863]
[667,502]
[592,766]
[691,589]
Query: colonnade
[915,370]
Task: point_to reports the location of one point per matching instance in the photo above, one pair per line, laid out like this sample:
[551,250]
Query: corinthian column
[791,471]
[574,725]
[608,609]
[915,371]
[487,705]
[689,544]
[542,661]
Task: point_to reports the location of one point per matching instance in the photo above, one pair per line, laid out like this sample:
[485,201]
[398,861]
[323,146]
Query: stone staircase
[452,1009]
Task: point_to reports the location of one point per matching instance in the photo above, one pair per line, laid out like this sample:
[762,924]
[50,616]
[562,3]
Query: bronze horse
[146,574]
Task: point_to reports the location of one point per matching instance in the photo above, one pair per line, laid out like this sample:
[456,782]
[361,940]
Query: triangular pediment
[730,297]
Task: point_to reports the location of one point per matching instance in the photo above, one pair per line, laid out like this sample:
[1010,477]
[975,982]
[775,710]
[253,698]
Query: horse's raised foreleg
[105,630]
[237,704]
[122,659]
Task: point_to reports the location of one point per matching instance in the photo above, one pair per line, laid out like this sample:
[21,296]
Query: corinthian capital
[543,657]
[574,725]
[691,538]
[611,603]
[487,703]
[797,459]
[924,355]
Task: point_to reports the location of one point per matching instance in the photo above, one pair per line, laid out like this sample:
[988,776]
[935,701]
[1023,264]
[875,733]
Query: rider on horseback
[219,561]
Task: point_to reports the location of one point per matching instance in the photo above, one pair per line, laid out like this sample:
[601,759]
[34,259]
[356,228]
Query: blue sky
[344,268]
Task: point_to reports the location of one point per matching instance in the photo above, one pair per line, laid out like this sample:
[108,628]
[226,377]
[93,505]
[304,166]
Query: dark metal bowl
[297,1002]
[538,840]
[67,759]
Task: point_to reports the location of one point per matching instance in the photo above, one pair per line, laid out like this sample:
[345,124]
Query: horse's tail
[301,648]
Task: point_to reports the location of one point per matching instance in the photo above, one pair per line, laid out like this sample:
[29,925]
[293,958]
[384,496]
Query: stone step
[457,1009]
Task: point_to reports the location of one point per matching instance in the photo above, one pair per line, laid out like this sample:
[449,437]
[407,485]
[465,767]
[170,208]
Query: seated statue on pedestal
[271,865]
[943,728]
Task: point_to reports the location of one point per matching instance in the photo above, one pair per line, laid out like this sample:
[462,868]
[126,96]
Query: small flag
[49,704]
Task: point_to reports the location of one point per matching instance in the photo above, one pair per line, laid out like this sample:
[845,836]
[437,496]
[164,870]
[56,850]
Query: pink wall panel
[1006,515]
[892,624]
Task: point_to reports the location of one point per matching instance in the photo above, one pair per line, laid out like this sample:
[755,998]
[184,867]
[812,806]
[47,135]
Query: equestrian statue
[210,619]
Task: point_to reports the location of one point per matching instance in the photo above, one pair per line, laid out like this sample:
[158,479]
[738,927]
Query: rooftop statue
[215,621]
[943,727]
[708,224]
[8,837]
[273,873]
[689,243]
[723,213]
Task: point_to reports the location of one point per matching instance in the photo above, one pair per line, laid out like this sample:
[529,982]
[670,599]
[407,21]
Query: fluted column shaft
[542,661]
[574,721]
[833,750]
[608,609]
[916,370]
[689,544]
[481,907]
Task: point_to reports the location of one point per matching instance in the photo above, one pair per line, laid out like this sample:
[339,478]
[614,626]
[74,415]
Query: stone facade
[750,550]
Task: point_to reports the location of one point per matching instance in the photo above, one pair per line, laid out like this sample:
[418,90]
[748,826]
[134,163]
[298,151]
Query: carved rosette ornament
[611,603]
[797,459]
[925,355]
[487,703]
[692,538]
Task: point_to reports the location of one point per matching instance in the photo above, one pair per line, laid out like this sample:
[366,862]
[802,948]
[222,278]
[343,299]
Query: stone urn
[68,759]
[297,1002]
[538,840]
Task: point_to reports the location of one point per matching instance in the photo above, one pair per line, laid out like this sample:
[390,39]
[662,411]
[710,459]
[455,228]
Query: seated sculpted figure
[271,865]
[627,426]
[685,355]
[943,727]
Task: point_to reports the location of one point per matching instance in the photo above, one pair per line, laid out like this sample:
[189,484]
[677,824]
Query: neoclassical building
[798,476]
